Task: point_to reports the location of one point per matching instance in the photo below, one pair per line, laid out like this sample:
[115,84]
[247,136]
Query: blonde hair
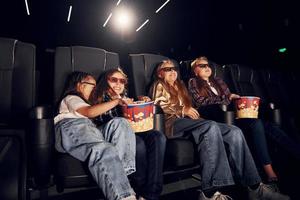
[193,64]
[174,93]
[161,66]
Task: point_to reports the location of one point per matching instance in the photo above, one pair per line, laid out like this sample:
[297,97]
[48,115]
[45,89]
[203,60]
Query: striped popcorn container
[247,107]
[139,115]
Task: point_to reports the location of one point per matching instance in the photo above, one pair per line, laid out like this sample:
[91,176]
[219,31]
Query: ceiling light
[118,2]
[139,28]
[162,6]
[69,15]
[123,18]
[27,8]
[106,21]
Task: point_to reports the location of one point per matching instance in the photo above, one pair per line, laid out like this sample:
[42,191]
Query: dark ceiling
[231,31]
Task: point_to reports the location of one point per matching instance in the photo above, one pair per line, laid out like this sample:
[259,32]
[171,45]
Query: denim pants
[223,151]
[82,140]
[255,135]
[147,181]
[118,132]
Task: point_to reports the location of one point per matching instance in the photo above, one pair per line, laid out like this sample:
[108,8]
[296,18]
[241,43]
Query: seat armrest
[228,114]
[276,116]
[40,142]
[229,117]
[159,119]
[274,113]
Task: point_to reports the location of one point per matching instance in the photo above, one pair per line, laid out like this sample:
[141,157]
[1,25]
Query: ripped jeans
[110,150]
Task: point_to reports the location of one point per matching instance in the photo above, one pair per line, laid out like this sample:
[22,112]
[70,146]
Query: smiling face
[117,82]
[86,86]
[202,69]
[168,72]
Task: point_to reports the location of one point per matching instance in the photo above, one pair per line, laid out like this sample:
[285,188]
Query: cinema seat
[220,113]
[180,159]
[17,91]
[281,90]
[68,171]
[248,82]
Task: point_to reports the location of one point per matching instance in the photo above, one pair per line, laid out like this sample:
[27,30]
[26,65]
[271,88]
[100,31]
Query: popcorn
[247,113]
[142,125]
[247,107]
[139,115]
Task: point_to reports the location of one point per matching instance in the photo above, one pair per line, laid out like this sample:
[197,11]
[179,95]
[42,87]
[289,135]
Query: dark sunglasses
[115,80]
[168,69]
[93,84]
[202,65]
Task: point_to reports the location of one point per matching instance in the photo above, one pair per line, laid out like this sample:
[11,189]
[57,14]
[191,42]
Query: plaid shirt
[108,115]
[197,92]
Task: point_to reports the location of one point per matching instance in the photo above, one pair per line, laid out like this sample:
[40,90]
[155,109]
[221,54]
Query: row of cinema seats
[28,160]
[277,88]
[27,156]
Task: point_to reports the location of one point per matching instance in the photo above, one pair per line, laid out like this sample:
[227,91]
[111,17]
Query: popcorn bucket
[139,115]
[247,107]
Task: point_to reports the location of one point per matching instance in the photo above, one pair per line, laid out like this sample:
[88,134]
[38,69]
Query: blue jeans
[255,135]
[150,149]
[82,140]
[223,151]
[118,132]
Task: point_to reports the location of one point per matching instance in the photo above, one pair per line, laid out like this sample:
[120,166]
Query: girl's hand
[115,97]
[234,96]
[144,98]
[191,112]
[127,101]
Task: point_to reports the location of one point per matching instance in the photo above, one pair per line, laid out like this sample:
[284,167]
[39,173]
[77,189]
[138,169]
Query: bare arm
[98,109]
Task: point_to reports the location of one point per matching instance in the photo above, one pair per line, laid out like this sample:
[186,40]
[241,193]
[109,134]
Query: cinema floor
[188,189]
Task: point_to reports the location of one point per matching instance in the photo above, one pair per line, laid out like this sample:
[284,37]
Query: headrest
[87,57]
[7,49]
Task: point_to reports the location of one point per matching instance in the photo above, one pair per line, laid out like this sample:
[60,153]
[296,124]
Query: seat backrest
[217,70]
[142,71]
[79,58]
[17,80]
[247,81]
[277,92]
[17,97]
[185,70]
[223,72]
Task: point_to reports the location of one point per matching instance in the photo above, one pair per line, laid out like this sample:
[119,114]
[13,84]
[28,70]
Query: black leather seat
[70,172]
[284,96]
[180,155]
[248,82]
[218,113]
[17,91]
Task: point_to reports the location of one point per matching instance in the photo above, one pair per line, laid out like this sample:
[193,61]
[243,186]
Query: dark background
[227,31]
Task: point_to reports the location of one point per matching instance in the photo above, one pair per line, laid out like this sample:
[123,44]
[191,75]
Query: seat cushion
[71,172]
[179,154]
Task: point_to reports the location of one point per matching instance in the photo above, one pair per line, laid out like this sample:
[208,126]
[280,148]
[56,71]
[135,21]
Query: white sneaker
[266,192]
[132,197]
[216,196]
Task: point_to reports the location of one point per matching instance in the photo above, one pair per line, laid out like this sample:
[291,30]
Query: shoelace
[220,196]
[273,188]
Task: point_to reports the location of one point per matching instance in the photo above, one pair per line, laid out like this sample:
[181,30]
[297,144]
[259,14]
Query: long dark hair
[72,80]
[203,87]
[102,85]
[182,90]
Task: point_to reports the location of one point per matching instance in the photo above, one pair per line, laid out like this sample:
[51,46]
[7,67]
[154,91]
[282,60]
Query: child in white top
[109,149]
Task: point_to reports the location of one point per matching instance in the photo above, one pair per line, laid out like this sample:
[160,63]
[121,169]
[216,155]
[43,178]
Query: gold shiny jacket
[171,110]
